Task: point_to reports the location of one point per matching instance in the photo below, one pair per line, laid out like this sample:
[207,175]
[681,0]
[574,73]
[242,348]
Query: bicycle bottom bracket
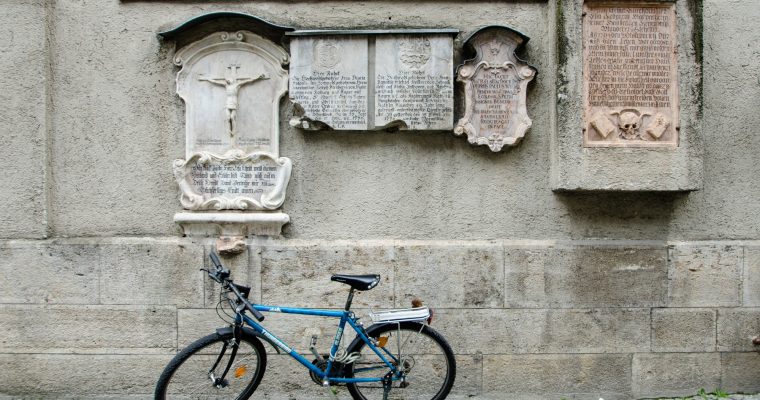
[322,365]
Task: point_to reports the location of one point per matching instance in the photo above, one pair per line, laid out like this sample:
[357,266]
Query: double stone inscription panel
[360,80]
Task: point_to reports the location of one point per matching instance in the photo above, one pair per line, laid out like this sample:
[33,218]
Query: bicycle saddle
[358,282]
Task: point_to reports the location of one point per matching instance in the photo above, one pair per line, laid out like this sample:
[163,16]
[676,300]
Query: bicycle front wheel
[421,352]
[194,372]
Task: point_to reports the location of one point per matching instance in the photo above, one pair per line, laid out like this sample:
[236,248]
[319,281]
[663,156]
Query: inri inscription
[630,74]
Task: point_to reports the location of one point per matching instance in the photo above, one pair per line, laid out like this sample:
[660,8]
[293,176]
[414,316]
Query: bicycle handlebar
[222,275]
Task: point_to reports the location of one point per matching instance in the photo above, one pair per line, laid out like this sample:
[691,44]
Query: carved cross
[232,84]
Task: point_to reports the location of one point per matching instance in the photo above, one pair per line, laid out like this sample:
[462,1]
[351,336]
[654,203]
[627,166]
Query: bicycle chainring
[322,365]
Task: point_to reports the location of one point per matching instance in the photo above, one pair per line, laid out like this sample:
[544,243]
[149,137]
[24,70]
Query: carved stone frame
[578,168]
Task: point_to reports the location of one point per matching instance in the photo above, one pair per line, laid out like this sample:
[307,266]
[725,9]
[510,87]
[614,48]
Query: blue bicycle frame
[345,316]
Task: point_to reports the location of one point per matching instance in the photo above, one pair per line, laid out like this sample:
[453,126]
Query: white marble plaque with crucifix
[232,83]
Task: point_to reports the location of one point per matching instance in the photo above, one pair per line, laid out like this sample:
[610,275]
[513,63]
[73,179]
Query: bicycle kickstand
[387,383]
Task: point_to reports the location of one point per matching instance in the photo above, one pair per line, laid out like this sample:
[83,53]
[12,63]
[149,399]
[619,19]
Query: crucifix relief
[232,85]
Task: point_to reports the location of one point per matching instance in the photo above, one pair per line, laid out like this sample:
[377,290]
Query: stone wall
[576,295]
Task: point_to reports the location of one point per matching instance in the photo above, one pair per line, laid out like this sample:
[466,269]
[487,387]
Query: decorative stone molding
[232,84]
[495,87]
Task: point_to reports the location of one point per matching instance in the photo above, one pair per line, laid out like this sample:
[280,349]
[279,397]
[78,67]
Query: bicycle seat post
[350,299]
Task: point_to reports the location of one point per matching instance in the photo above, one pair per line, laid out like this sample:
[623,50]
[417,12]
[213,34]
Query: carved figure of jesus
[232,85]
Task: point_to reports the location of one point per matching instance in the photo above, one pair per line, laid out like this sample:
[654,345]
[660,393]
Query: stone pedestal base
[231,227]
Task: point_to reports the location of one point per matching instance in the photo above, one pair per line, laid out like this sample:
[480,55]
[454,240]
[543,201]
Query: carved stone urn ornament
[495,85]
[232,180]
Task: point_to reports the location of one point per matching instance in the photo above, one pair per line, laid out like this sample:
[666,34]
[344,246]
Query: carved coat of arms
[495,85]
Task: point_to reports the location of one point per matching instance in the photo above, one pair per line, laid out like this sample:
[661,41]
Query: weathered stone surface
[737,328]
[751,282]
[545,331]
[740,372]
[705,276]
[31,328]
[555,375]
[152,273]
[300,275]
[585,276]
[47,272]
[683,330]
[657,375]
[450,276]
[96,376]
[24,77]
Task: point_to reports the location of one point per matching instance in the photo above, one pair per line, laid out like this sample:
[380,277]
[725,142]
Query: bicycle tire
[186,375]
[431,361]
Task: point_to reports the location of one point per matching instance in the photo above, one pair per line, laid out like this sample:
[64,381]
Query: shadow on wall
[646,215]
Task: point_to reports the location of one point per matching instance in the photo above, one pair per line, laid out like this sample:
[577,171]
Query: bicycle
[398,357]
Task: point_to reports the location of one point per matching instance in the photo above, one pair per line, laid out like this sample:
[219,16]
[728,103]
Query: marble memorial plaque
[413,81]
[630,74]
[255,181]
[329,79]
[495,88]
[232,83]
[363,80]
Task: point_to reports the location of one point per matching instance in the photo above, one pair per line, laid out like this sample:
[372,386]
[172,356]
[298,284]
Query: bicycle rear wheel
[424,355]
[190,373]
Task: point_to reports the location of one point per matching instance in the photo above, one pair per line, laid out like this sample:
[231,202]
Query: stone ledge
[232,224]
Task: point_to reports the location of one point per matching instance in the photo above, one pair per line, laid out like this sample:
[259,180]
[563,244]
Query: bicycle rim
[188,375]
[425,355]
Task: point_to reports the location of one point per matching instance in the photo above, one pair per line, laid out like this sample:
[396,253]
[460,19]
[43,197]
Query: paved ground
[712,397]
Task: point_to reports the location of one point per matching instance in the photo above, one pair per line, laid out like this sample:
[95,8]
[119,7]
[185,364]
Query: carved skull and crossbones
[629,122]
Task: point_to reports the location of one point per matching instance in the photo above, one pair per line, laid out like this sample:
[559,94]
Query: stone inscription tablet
[329,80]
[413,81]
[495,88]
[630,74]
[239,181]
[363,80]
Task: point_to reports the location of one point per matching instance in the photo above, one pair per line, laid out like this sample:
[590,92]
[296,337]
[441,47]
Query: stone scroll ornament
[495,83]
[232,83]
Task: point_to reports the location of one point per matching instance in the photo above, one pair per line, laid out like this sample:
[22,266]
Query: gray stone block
[152,272]
[557,375]
[751,283]
[586,276]
[737,328]
[244,270]
[657,375]
[705,276]
[49,272]
[545,331]
[32,328]
[683,330]
[740,372]
[300,275]
[81,376]
[450,276]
